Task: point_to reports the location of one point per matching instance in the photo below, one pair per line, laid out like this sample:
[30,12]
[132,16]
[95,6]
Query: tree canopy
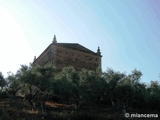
[41,83]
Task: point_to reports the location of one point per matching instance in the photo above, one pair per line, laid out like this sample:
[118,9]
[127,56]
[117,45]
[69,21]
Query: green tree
[93,85]
[125,92]
[112,78]
[154,96]
[66,84]
[2,81]
[3,84]
[39,81]
[13,84]
[135,76]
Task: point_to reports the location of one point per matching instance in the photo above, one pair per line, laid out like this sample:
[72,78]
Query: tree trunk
[42,105]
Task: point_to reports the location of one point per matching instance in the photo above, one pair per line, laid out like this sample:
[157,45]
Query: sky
[127,32]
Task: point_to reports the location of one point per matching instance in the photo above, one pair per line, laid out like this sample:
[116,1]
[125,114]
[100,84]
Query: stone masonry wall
[78,59]
[44,57]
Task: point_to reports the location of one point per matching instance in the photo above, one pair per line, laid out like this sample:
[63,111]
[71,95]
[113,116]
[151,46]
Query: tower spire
[54,39]
[98,51]
[34,58]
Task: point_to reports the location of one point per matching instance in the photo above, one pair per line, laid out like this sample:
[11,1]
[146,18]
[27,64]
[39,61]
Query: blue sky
[127,31]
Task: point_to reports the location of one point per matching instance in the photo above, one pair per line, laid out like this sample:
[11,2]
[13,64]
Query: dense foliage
[38,84]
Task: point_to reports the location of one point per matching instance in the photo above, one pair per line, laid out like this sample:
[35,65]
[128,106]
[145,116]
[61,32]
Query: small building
[69,54]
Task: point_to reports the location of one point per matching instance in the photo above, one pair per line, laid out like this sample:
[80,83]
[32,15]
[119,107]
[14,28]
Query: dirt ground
[18,109]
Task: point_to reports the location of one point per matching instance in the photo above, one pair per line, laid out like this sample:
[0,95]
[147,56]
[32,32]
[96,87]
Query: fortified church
[69,54]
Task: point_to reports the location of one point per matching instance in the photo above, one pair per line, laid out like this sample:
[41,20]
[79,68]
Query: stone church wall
[78,59]
[44,58]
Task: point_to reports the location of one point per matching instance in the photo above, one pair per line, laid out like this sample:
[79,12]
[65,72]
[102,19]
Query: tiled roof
[74,46]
